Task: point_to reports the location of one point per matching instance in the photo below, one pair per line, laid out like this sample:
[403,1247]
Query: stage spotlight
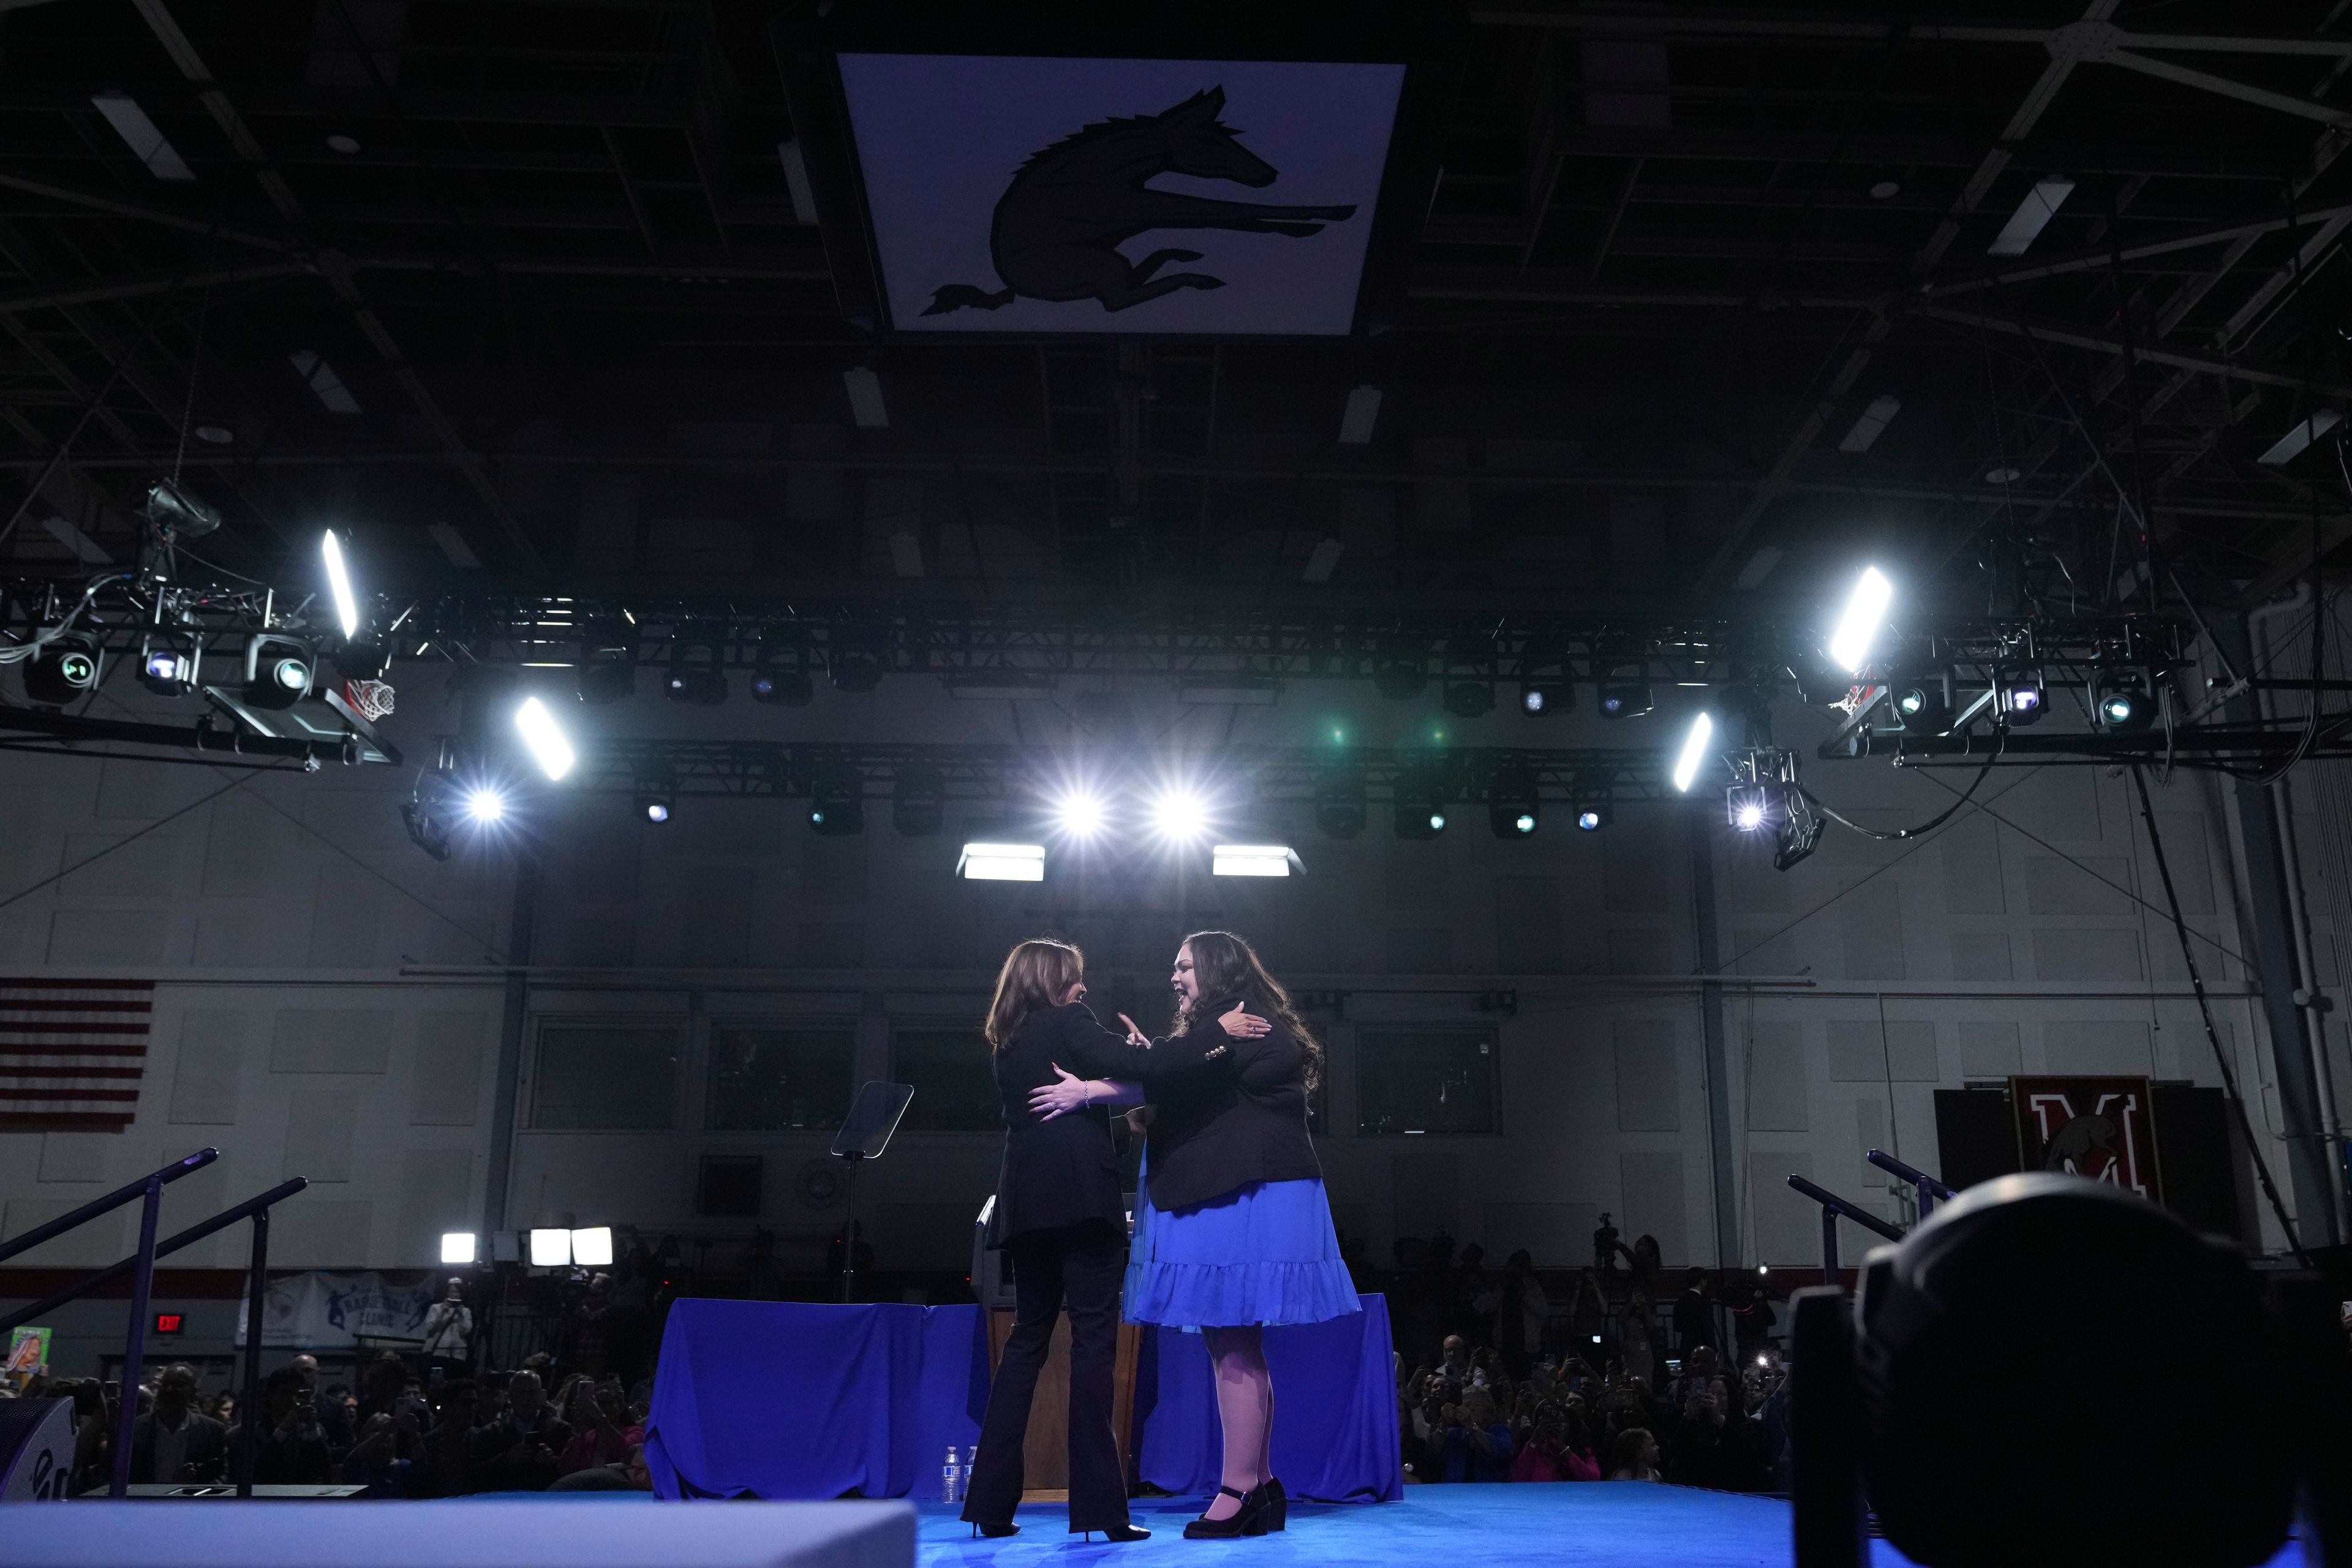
[1696,741]
[550,1249]
[1857,627]
[1421,803]
[656,796]
[1820,684]
[1922,703]
[698,669]
[1254,860]
[1513,810]
[855,656]
[440,804]
[607,670]
[64,671]
[1003,863]
[779,678]
[1748,806]
[919,802]
[1078,813]
[1179,816]
[339,585]
[1469,698]
[592,1248]
[1593,815]
[837,802]
[1339,809]
[1624,690]
[1539,699]
[277,671]
[544,738]
[458,1246]
[1399,677]
[2024,695]
[166,672]
[2121,702]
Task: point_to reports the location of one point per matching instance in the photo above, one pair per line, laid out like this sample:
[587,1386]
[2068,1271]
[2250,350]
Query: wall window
[954,1075]
[601,1077]
[1427,1079]
[767,1079]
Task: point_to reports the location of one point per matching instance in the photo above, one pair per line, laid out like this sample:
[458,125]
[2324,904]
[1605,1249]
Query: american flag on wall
[73,1053]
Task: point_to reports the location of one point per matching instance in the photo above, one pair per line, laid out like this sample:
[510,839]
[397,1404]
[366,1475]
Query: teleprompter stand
[863,1137]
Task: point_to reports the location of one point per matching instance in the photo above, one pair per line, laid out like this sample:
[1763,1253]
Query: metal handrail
[1833,1206]
[188,1237]
[256,1209]
[114,1200]
[1929,1190]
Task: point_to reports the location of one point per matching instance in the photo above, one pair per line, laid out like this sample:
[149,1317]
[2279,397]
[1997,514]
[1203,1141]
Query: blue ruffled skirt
[1264,1253]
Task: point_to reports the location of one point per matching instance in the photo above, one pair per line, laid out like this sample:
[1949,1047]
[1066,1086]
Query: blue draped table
[787,1399]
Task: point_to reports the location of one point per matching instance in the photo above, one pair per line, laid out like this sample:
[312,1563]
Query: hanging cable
[2213,1035]
[2001,744]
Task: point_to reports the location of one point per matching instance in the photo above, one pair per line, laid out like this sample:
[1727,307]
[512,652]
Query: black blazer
[1063,1172]
[1226,1113]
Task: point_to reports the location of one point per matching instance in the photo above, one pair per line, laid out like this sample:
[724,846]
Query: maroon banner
[2103,1128]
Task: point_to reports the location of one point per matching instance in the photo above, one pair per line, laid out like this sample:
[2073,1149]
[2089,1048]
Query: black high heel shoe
[1277,1504]
[994,1531]
[1119,1533]
[1247,1520]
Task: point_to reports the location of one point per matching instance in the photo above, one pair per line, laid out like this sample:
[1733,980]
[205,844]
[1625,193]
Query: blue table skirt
[789,1399]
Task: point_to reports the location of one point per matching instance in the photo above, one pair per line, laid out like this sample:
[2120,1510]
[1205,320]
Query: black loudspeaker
[37,1448]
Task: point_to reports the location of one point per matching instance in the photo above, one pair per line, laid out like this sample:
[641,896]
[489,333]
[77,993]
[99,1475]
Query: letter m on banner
[2102,1128]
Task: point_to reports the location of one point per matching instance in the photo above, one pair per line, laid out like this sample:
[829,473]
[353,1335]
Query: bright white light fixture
[1003,863]
[1872,420]
[1079,813]
[339,583]
[1252,860]
[550,1249]
[865,405]
[592,1247]
[2299,435]
[1694,752]
[457,1245]
[1180,816]
[2040,205]
[545,738]
[139,133]
[485,806]
[1866,609]
[1363,412]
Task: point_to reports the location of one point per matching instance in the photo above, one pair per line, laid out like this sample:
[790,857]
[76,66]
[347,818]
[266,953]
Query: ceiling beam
[2075,337]
[337,271]
[1808,428]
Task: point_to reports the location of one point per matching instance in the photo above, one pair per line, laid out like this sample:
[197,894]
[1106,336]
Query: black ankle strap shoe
[1247,1520]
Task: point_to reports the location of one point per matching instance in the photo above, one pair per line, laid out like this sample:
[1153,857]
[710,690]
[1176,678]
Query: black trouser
[1081,1264]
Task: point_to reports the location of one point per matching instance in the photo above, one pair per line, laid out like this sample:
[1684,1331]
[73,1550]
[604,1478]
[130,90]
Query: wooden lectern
[1045,1457]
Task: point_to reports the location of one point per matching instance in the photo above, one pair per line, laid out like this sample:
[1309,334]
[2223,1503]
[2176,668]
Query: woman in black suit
[1060,1218]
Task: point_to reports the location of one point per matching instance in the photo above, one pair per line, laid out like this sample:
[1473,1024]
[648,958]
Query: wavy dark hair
[1035,975]
[1226,966]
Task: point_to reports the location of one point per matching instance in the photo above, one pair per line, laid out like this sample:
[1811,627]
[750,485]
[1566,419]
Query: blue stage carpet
[1622,1524]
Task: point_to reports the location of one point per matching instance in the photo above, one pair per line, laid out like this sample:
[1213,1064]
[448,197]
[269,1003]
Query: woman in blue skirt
[1231,1229]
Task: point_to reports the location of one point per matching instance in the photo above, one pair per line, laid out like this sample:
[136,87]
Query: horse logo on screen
[1059,223]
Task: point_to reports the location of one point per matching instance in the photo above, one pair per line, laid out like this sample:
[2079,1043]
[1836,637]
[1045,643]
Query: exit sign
[168,1322]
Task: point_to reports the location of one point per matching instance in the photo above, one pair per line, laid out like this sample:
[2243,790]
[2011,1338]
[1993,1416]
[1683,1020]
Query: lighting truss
[1027,776]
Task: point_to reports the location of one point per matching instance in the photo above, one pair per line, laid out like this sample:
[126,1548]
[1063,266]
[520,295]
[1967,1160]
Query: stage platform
[1619,1524]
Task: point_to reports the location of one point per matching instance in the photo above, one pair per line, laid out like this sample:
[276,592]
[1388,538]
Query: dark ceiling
[518,294]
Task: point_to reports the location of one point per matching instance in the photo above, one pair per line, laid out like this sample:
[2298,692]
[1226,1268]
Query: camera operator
[293,1449]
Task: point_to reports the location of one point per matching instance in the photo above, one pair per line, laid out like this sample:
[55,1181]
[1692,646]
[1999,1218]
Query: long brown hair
[1225,966]
[1035,976]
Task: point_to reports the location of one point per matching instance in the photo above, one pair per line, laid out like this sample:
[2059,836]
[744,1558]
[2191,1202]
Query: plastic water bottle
[952,1478]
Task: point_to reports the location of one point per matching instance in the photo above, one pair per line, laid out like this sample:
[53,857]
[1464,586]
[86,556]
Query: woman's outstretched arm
[1070,1092]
